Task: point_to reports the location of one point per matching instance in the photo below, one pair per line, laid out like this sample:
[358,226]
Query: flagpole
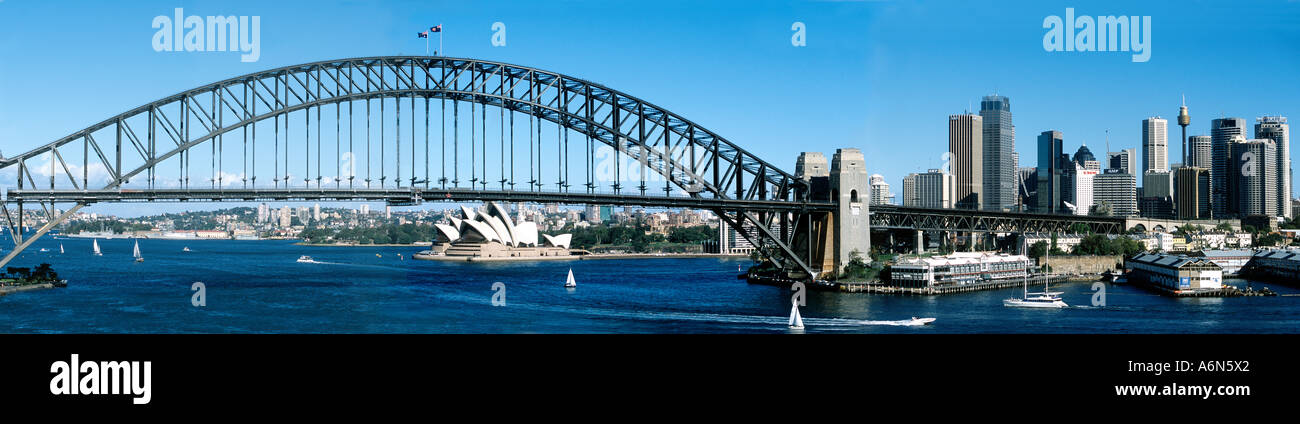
[440,52]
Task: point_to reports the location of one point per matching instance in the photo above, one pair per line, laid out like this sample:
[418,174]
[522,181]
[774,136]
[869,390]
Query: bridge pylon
[827,239]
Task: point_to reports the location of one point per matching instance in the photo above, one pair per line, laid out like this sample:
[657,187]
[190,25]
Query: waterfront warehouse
[1177,273]
[958,269]
[1283,265]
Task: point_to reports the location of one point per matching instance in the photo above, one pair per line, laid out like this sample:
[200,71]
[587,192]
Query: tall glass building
[1275,128]
[999,143]
[1222,131]
[1049,171]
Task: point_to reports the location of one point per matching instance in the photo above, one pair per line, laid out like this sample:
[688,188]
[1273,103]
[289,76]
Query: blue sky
[881,76]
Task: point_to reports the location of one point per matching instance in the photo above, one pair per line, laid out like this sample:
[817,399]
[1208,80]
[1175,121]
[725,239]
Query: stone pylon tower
[850,188]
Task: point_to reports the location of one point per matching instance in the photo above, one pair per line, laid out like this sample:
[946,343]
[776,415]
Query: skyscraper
[1123,160]
[1079,188]
[1155,145]
[1118,190]
[1198,154]
[1192,192]
[966,154]
[1222,131]
[880,194]
[932,189]
[1275,128]
[1049,171]
[999,143]
[1157,199]
[1253,167]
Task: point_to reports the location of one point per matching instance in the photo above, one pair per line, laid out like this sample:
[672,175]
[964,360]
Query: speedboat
[306,259]
[922,321]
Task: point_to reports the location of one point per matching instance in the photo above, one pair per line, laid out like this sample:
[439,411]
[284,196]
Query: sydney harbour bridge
[412,129]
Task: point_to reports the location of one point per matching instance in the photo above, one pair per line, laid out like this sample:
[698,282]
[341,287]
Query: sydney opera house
[492,234]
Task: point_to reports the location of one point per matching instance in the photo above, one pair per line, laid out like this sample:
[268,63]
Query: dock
[4,290]
[877,287]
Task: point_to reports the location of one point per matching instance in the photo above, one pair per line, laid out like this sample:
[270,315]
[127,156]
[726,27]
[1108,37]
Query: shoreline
[443,258]
[27,287]
[360,245]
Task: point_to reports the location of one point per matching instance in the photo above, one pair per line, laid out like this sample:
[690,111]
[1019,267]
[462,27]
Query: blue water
[256,286]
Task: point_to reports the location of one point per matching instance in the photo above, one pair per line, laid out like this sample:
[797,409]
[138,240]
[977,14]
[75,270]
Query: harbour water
[257,286]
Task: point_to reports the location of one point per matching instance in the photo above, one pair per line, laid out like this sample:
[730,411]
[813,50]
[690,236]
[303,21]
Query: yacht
[186,249]
[136,253]
[1044,299]
[569,283]
[306,259]
[97,252]
[796,321]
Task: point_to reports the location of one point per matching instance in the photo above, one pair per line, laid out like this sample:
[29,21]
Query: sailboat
[97,252]
[569,283]
[796,321]
[60,248]
[138,258]
[1045,299]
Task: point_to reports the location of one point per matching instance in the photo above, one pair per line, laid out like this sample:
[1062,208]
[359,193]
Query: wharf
[4,290]
[876,287]
[1226,291]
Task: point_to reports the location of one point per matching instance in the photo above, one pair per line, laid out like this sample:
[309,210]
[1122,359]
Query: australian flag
[422,34]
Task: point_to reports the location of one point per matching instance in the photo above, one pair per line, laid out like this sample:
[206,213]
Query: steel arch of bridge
[750,194]
[926,219]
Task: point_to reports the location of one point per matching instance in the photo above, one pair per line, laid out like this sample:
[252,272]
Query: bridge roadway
[407,196]
[882,216]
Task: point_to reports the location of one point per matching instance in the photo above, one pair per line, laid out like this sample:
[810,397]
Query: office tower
[1275,128]
[1084,158]
[1079,188]
[1028,185]
[1155,145]
[932,189]
[365,209]
[1253,167]
[909,190]
[1222,131]
[1183,120]
[315,212]
[1199,155]
[1049,171]
[999,143]
[1123,160]
[1192,193]
[1116,189]
[966,154]
[1157,199]
[880,194]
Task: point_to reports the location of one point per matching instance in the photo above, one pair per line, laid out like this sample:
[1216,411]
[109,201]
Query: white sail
[60,248]
[137,249]
[569,282]
[97,252]
[796,321]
